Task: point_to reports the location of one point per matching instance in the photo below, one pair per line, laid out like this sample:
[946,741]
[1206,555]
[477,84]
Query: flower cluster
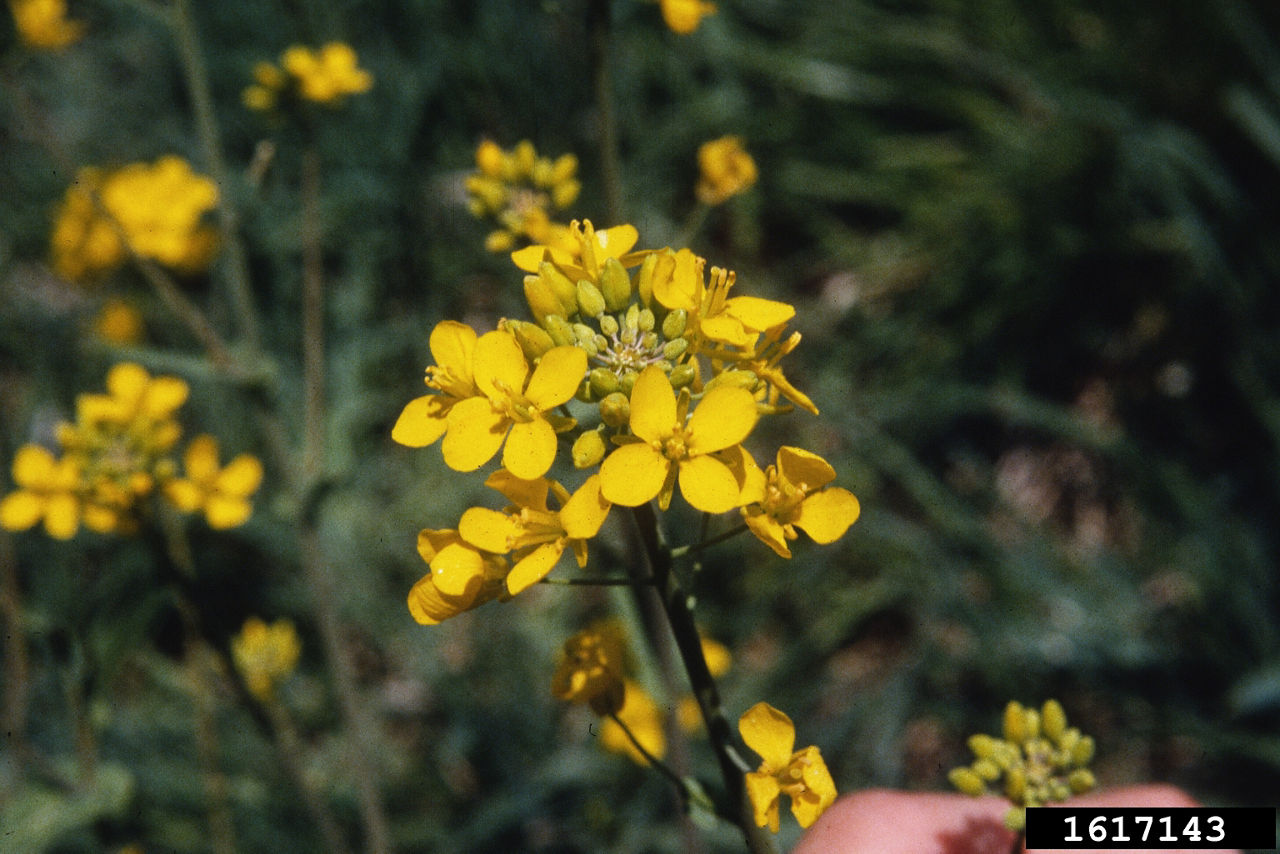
[517,190]
[325,76]
[801,775]
[684,16]
[154,210]
[668,373]
[117,453]
[725,169]
[1041,759]
[43,24]
[265,655]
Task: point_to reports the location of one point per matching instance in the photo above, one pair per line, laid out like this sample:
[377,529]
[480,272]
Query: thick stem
[602,80]
[675,603]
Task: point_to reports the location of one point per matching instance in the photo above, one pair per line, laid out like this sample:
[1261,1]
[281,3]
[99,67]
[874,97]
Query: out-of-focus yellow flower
[670,446]
[719,659]
[684,16]
[592,669]
[157,208]
[515,406]
[222,494]
[328,75]
[119,323]
[461,578]
[46,491]
[43,24]
[801,775]
[268,84]
[517,190]
[537,536]
[726,170]
[265,655]
[793,493]
[641,715]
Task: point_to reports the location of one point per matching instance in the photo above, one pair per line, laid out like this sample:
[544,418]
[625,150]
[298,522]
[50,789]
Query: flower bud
[1054,720]
[561,286]
[1081,780]
[588,449]
[1083,751]
[542,301]
[534,340]
[673,350]
[603,382]
[734,379]
[644,278]
[1015,784]
[683,375]
[646,320]
[615,284]
[609,324]
[590,301]
[674,324]
[1015,723]
[986,769]
[559,329]
[628,380]
[966,781]
[615,410]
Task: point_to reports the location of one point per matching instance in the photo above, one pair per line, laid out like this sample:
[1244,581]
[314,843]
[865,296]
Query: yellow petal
[763,791]
[759,314]
[127,381]
[708,484]
[770,733]
[530,450]
[224,511]
[431,541]
[520,492]
[62,517]
[500,366]
[458,570]
[201,459]
[426,605]
[33,466]
[768,531]
[682,288]
[534,566]
[633,474]
[163,396]
[453,346]
[423,421]
[489,529]
[724,418]
[557,377]
[653,406]
[20,510]
[616,242]
[475,433]
[184,495]
[799,466]
[585,511]
[241,477]
[826,515]
[749,474]
[728,329]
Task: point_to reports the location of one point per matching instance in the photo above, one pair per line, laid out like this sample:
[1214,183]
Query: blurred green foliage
[1032,247]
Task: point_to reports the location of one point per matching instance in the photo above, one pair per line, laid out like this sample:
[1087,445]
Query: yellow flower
[801,775]
[264,93]
[46,490]
[712,313]
[516,189]
[265,655]
[84,244]
[641,715]
[668,448]
[591,670]
[326,76]
[119,323]
[221,493]
[538,536]
[763,362]
[43,24]
[426,419]
[514,406]
[585,253]
[683,16]
[461,578]
[725,170]
[792,494]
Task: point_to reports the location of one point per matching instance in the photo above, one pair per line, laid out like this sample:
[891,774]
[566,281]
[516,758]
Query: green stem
[290,750]
[602,80]
[654,761]
[694,548]
[675,604]
[312,320]
[597,582]
[16,664]
[197,79]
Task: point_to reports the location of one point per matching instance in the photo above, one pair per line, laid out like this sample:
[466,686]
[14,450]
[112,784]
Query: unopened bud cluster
[1039,760]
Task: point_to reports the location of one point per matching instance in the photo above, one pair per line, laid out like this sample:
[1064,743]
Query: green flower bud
[647,321]
[628,380]
[644,278]
[588,449]
[560,285]
[1016,819]
[601,342]
[673,350]
[603,382]
[649,340]
[1067,742]
[615,284]
[609,324]
[673,325]
[1081,780]
[542,302]
[986,769]
[583,334]
[734,379]
[590,300]
[1015,784]
[534,340]
[559,329]
[1083,751]
[1054,720]
[1015,723]
[983,746]
[966,781]
[615,410]
[683,375]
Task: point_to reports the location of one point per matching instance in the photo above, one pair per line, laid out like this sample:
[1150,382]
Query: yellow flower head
[426,419]
[517,190]
[592,669]
[47,490]
[461,578]
[714,316]
[674,446]
[584,254]
[222,494]
[119,323]
[793,493]
[328,75]
[640,714]
[684,16]
[725,168]
[43,24]
[537,536]
[265,655]
[801,775]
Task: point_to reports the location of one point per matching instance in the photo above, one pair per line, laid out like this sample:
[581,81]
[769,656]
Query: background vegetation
[1032,246]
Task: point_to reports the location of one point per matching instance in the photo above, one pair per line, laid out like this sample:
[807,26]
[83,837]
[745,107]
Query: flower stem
[16,664]
[602,79]
[290,749]
[312,320]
